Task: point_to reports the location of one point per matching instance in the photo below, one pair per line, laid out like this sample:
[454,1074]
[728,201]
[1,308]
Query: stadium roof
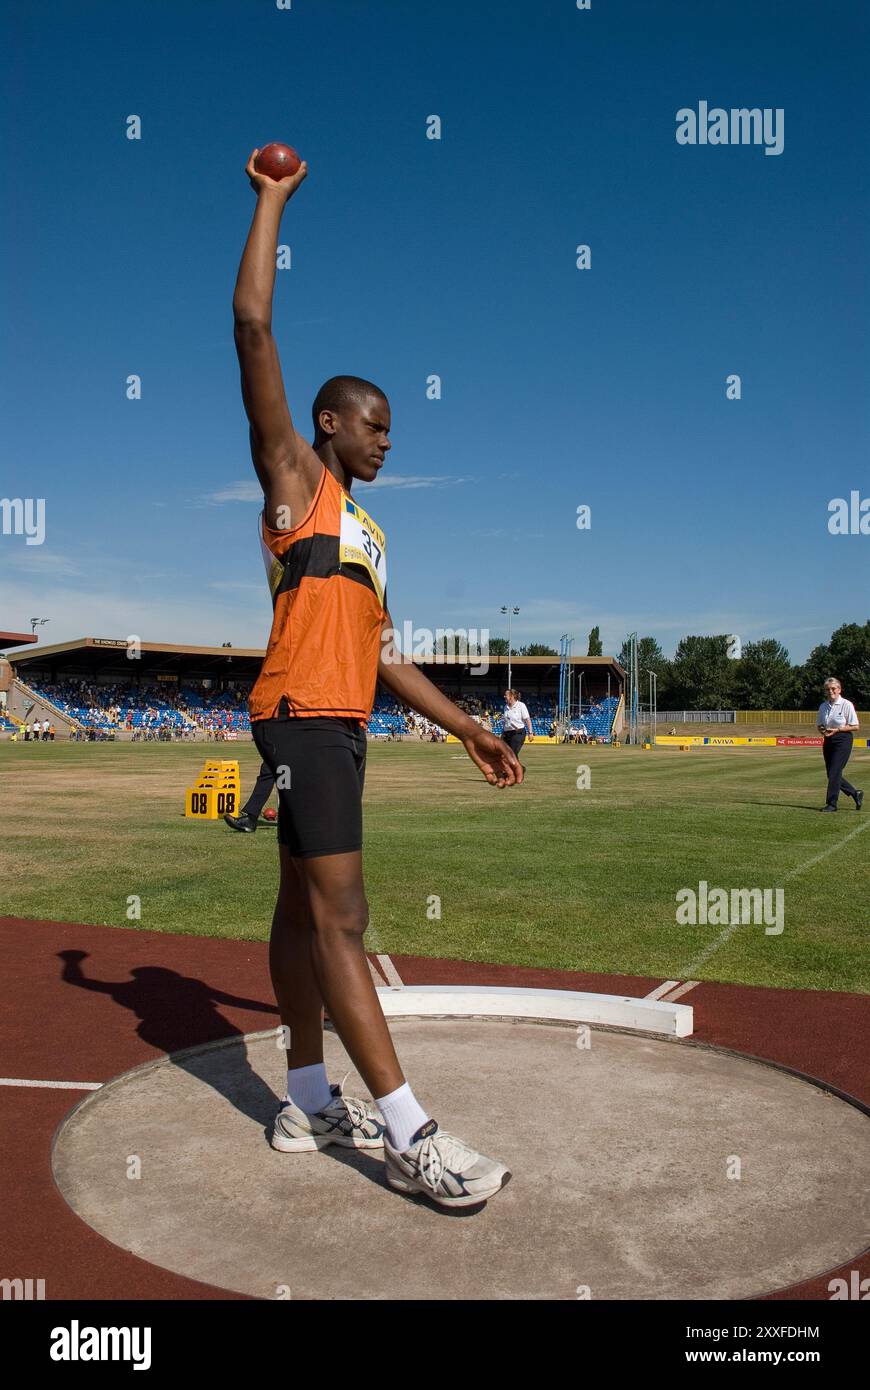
[16,639]
[88,655]
[108,655]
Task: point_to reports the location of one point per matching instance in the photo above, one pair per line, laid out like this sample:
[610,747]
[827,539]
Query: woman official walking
[838,723]
[515,720]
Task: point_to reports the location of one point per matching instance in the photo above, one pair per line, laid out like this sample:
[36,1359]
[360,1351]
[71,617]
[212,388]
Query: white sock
[308,1087]
[402,1116]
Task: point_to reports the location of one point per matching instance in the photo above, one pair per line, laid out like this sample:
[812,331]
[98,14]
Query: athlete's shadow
[177,1012]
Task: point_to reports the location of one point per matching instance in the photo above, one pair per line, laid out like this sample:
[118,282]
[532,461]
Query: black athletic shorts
[321,763]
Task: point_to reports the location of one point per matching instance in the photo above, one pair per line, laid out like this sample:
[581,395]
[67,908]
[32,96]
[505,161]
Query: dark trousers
[514,738]
[837,750]
[261,793]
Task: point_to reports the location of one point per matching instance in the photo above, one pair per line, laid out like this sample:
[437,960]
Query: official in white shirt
[837,724]
[515,721]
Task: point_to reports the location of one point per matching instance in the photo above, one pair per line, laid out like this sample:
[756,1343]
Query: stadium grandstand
[8,725]
[98,688]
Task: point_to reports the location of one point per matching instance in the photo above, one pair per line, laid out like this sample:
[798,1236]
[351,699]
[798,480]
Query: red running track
[140,995]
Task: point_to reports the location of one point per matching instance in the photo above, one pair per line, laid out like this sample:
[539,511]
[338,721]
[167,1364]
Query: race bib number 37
[362,542]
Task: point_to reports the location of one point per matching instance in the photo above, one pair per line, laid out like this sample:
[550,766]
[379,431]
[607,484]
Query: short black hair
[341,393]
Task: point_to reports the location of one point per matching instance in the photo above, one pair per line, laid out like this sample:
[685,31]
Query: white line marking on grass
[792,873]
[711,950]
[678,993]
[661,989]
[825,852]
[53,1085]
[393,977]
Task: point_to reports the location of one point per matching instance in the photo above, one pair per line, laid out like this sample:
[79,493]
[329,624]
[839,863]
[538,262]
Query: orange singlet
[328,578]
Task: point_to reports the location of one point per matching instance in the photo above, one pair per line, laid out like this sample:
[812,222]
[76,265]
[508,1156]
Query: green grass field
[545,874]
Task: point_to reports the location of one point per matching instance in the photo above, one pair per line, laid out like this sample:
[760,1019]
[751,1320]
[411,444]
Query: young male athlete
[331,641]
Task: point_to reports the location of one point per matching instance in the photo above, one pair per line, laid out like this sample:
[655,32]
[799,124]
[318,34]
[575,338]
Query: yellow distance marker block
[216,792]
[210,803]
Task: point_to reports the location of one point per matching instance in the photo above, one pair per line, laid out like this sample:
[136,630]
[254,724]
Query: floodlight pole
[563,714]
[653,704]
[510,610]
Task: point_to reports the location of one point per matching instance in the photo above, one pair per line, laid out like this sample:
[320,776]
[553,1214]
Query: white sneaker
[353,1124]
[442,1167]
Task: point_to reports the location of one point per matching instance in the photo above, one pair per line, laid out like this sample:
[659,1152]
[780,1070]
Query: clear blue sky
[410,257]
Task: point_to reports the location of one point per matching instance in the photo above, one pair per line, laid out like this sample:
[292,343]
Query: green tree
[764,677]
[595,648]
[846,656]
[498,646]
[703,673]
[810,678]
[537,649]
[850,653]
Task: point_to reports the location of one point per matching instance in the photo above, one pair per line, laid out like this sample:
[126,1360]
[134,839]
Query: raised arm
[285,463]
